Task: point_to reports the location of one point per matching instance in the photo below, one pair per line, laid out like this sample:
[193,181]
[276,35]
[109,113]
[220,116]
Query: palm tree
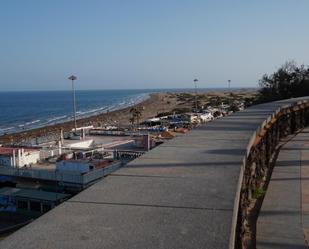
[136,115]
[133,118]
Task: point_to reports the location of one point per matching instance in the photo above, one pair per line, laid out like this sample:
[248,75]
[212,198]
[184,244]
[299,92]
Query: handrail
[290,116]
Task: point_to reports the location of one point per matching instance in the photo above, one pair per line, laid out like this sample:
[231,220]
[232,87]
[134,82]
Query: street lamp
[72,78]
[195,86]
[229,84]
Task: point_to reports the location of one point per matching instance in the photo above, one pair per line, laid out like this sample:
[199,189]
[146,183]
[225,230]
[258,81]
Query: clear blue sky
[113,44]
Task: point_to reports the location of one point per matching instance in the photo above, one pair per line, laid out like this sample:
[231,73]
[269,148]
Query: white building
[77,144]
[192,117]
[150,120]
[199,117]
[18,157]
[73,165]
[80,166]
[206,116]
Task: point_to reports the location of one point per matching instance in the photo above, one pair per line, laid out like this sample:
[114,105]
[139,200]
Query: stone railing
[289,117]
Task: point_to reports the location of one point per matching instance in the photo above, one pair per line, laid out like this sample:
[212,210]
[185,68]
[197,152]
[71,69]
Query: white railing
[99,173]
[43,174]
[54,175]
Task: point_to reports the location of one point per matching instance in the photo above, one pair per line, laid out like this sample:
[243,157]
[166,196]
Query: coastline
[160,102]
[23,111]
[152,105]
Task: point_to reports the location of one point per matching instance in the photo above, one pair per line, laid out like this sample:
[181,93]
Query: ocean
[32,109]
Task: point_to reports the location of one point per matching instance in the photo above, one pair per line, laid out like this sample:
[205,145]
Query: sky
[124,44]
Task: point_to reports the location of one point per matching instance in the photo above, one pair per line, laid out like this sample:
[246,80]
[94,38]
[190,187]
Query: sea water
[31,109]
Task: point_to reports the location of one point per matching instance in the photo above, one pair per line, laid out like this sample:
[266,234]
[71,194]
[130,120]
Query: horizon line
[130,89]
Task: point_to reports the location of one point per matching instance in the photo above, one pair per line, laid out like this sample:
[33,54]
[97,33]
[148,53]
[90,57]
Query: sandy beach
[156,103]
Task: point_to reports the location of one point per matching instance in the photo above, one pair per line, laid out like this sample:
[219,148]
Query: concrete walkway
[180,195]
[283,220]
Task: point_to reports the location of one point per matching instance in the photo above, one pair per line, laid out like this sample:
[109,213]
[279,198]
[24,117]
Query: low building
[191,117]
[144,142]
[18,157]
[29,201]
[81,166]
[205,116]
[154,120]
[199,117]
[167,135]
[77,144]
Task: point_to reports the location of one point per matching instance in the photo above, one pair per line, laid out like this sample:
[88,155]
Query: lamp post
[229,85]
[195,97]
[72,78]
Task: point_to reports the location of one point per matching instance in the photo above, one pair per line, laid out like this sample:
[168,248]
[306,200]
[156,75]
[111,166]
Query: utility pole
[195,97]
[72,78]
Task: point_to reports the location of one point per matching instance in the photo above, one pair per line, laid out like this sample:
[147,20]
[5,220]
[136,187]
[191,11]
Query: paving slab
[305,189]
[119,226]
[164,191]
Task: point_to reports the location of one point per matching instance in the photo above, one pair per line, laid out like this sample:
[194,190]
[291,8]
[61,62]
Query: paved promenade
[284,221]
[182,194]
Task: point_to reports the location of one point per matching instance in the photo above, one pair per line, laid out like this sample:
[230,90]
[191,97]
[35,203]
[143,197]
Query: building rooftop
[33,194]
[9,150]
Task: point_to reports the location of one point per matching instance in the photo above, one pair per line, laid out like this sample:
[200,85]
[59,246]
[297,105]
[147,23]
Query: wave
[122,104]
[56,118]
[30,123]
[33,122]
[6,129]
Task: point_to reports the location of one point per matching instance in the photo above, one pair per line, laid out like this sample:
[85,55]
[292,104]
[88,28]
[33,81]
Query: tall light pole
[72,78]
[195,97]
[229,85]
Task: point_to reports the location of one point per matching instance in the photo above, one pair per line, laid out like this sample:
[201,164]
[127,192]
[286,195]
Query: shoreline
[152,105]
[157,102]
[62,115]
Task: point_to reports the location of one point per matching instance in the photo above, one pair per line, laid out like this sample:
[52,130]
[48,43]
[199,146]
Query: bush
[289,81]
[258,193]
[234,108]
